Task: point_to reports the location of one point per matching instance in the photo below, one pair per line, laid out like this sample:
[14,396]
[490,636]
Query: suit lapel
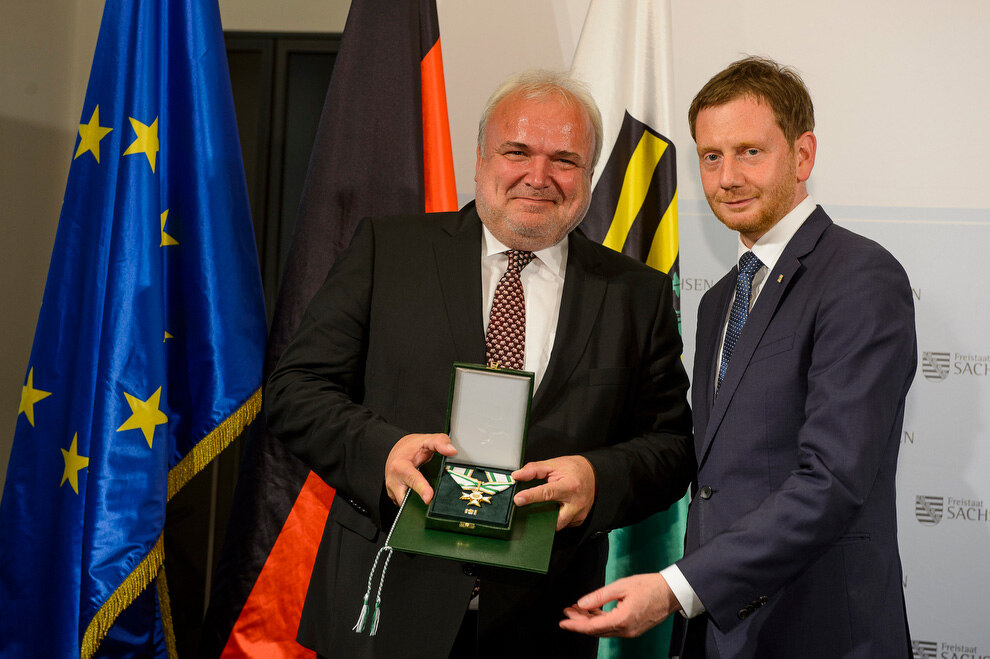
[711,321]
[769,300]
[581,300]
[458,261]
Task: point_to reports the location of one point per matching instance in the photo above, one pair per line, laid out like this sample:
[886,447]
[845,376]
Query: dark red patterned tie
[506,339]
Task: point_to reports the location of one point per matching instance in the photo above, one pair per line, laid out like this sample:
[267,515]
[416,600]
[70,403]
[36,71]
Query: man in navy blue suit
[805,352]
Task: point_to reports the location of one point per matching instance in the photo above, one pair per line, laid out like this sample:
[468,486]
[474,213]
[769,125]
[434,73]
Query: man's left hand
[570,481]
[642,601]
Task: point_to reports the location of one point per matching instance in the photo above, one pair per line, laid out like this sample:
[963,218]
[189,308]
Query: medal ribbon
[496,482]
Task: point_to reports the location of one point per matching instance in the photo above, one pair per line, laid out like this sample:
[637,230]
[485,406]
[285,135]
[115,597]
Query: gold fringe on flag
[166,607]
[151,567]
[211,445]
[121,598]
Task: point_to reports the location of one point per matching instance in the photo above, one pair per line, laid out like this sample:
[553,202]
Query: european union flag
[148,352]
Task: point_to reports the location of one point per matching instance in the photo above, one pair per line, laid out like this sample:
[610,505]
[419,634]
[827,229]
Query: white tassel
[362,618]
[374,624]
[359,626]
[381,584]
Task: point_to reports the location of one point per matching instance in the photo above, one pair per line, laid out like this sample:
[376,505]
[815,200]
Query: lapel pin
[780,278]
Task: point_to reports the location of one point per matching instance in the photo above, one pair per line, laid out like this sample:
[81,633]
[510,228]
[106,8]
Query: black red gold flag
[382,147]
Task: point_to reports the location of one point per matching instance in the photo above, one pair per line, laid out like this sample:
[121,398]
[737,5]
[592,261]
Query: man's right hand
[643,601]
[404,460]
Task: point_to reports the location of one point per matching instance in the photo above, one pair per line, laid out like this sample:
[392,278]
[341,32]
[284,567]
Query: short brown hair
[766,81]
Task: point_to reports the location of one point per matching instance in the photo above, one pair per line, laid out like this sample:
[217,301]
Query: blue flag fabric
[148,352]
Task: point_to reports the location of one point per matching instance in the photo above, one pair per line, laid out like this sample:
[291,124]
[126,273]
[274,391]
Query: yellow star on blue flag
[73,464]
[145,415]
[146,141]
[90,135]
[167,240]
[30,396]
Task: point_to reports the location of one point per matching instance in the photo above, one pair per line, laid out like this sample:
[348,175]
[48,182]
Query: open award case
[487,418]
[471,516]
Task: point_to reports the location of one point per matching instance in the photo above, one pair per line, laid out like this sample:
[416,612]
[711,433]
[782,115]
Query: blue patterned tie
[748,265]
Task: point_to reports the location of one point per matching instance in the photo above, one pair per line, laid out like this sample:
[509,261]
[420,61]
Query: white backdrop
[901,94]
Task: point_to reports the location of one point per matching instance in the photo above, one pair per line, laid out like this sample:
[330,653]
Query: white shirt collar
[771,244]
[553,257]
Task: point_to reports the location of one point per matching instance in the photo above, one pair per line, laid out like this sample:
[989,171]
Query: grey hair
[540,84]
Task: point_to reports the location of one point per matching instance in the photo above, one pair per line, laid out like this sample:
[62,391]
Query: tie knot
[519,259]
[749,263]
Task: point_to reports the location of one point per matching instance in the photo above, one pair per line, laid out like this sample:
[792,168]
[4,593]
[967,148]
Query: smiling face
[533,176]
[751,175]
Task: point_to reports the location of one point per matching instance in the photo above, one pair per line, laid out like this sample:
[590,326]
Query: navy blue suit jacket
[791,537]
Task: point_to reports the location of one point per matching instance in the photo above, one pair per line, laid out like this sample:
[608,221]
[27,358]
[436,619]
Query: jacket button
[705,492]
[357,506]
[763,600]
[743,613]
[470,569]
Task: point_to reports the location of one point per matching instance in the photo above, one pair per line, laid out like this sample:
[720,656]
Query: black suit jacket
[371,363]
[791,537]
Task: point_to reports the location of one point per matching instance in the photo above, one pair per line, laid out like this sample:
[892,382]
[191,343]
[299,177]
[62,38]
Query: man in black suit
[361,391]
[804,359]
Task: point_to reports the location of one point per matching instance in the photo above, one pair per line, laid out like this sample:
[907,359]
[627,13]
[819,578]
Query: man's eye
[711,157]
[752,152]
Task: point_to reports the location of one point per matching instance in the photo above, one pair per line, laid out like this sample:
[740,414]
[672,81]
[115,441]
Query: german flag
[624,57]
[383,147]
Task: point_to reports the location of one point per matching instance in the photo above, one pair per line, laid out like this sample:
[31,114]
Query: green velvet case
[487,419]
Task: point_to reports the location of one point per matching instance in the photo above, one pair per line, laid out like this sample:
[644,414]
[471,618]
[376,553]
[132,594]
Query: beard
[520,230]
[774,203]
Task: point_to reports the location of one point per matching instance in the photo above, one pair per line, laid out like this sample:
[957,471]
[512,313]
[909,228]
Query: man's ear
[804,155]
[477,163]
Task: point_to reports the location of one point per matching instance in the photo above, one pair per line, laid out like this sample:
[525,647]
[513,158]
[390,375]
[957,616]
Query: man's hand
[404,460]
[642,602]
[570,481]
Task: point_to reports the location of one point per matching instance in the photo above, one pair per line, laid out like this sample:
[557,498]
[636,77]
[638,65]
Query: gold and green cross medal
[475,491]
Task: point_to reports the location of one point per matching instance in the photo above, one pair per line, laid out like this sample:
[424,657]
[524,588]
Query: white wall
[284,15]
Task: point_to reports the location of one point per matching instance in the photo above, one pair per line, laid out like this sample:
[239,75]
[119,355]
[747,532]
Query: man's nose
[538,172]
[730,175]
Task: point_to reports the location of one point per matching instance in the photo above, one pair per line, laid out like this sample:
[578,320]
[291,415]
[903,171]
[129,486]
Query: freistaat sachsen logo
[935,365]
[924,649]
[928,510]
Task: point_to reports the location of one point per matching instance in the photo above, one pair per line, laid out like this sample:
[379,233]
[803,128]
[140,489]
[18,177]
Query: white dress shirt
[543,284]
[768,249]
